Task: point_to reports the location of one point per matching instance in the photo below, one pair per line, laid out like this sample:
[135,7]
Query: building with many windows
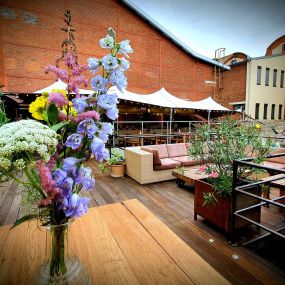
[256,85]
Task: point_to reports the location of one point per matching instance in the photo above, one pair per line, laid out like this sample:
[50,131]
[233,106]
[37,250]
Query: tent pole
[170,124]
[209,118]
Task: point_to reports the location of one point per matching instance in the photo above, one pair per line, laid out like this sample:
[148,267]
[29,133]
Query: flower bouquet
[52,152]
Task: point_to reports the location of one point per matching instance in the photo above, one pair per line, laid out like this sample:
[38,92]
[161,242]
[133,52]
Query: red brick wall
[234,86]
[26,48]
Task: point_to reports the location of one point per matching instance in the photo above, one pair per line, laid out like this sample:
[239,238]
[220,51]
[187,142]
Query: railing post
[233,205]
[142,143]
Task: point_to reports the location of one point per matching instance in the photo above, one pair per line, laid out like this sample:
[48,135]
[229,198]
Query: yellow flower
[258,126]
[71,110]
[37,107]
[63,91]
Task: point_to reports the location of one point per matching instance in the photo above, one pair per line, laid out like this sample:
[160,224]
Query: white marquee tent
[160,98]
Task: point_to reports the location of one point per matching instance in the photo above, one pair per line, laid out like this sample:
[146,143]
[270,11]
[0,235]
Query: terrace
[174,206]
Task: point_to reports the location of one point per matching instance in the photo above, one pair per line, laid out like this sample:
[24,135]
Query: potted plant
[217,147]
[116,163]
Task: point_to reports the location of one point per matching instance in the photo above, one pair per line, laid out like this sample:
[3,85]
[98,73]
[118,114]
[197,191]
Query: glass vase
[60,265]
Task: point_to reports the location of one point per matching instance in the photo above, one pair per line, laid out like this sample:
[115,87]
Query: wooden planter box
[220,214]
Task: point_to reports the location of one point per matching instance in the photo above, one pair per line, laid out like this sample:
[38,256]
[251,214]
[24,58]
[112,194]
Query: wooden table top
[122,243]
[190,174]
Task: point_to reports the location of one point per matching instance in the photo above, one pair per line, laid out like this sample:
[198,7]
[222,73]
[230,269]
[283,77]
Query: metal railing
[238,213]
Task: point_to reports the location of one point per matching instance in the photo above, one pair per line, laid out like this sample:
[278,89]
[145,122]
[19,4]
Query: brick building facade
[31,37]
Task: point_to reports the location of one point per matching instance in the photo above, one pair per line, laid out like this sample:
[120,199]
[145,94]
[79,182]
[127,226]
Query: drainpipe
[248,87]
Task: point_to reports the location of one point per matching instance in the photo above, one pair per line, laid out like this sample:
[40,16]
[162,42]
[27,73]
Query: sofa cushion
[280,159]
[274,164]
[178,149]
[167,163]
[186,161]
[156,159]
[162,150]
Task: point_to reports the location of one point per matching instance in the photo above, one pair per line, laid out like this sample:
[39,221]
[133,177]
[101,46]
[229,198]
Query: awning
[161,98]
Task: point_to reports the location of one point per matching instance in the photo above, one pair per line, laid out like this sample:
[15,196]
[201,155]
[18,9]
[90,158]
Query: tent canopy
[160,98]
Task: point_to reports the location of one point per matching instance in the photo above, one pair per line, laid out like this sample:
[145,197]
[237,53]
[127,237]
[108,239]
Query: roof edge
[168,34]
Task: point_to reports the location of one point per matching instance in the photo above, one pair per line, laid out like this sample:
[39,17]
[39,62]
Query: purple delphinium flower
[79,104]
[107,101]
[125,48]
[70,164]
[58,99]
[74,141]
[98,149]
[109,62]
[106,130]
[112,113]
[85,177]
[117,78]
[75,206]
[99,83]
[87,126]
[93,64]
[107,42]
[66,187]
[58,176]
[124,64]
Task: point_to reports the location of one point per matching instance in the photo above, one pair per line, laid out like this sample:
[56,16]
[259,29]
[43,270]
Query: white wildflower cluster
[23,142]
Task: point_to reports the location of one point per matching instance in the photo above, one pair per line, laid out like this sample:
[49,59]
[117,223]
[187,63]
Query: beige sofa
[155,163]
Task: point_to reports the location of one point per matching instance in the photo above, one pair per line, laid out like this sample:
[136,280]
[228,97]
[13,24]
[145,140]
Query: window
[257,111]
[240,107]
[258,80]
[274,77]
[267,76]
[282,79]
[272,111]
[280,112]
[265,111]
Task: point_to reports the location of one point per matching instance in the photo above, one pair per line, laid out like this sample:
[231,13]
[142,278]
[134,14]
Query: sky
[247,26]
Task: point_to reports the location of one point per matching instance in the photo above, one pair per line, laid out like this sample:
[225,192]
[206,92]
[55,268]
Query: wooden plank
[91,240]
[244,260]
[99,251]
[21,255]
[7,202]
[150,263]
[196,268]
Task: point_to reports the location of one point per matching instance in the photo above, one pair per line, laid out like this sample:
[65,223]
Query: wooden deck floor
[174,206]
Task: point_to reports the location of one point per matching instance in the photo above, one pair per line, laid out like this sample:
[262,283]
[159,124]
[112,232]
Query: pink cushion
[178,149]
[185,161]
[280,159]
[156,159]
[167,163]
[162,150]
[274,164]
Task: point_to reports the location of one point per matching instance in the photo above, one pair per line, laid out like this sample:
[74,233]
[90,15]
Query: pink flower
[58,99]
[87,115]
[202,168]
[63,117]
[59,73]
[73,86]
[214,175]
[47,183]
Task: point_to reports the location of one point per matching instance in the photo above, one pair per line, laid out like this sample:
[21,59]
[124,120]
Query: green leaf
[59,126]
[24,219]
[52,113]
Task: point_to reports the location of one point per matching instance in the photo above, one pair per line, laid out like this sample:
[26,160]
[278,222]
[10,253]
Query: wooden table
[122,243]
[189,175]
